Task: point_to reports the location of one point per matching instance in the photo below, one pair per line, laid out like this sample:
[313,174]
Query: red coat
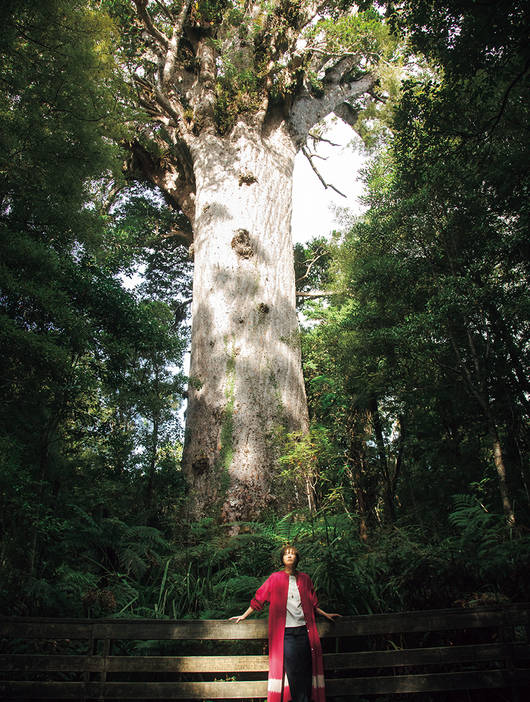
[274,590]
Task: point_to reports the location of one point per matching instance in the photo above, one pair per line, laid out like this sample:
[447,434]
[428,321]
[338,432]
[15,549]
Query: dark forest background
[416,362]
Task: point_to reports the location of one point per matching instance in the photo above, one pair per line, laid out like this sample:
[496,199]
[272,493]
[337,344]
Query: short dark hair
[293,550]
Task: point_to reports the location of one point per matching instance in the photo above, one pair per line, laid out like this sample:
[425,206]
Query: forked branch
[315,169]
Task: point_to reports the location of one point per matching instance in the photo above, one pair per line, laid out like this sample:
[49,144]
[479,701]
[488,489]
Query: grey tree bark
[245,357]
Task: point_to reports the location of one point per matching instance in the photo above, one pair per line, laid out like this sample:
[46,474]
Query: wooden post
[86,676]
[107,644]
[507,637]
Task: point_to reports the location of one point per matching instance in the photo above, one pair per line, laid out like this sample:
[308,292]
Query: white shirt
[294,615]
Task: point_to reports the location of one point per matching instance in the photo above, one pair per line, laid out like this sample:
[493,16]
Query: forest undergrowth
[105,567]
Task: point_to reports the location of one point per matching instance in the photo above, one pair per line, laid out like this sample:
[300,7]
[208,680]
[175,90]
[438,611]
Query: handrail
[370,654]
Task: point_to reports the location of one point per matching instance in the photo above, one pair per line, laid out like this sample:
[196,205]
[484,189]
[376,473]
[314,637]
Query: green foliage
[88,401]
[311,265]
[431,309]
[110,568]
[58,109]
[484,544]
[362,33]
[424,344]
[299,453]
[237,93]
[461,39]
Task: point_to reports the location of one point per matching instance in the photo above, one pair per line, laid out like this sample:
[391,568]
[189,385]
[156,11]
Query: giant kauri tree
[231,90]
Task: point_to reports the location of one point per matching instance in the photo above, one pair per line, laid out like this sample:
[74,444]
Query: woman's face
[289,558]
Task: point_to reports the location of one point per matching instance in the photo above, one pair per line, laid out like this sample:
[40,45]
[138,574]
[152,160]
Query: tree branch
[347,113]
[311,263]
[507,95]
[141,6]
[326,185]
[204,109]
[111,197]
[309,9]
[172,108]
[173,46]
[316,137]
[164,10]
[308,110]
[314,295]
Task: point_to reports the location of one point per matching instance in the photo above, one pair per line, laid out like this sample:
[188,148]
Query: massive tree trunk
[245,358]
[222,151]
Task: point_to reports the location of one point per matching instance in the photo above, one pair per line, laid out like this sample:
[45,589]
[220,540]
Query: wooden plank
[234,664]
[180,690]
[128,664]
[64,664]
[153,629]
[156,629]
[136,690]
[142,629]
[254,690]
[435,682]
[416,656]
[437,620]
[46,628]
[42,690]
[237,664]
[92,644]
[517,615]
[409,622]
[189,664]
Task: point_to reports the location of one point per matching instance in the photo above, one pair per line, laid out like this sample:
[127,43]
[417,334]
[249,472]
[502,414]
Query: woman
[296,670]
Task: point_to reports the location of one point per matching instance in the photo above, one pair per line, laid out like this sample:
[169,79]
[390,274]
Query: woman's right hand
[243,616]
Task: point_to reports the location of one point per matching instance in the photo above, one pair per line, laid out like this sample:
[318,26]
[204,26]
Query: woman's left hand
[331,617]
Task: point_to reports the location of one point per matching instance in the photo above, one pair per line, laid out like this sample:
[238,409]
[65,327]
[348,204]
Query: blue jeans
[297,662]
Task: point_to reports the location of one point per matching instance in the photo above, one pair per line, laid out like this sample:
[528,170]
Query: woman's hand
[331,617]
[243,616]
[236,619]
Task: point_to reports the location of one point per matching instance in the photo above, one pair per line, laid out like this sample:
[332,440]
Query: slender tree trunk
[39,505]
[389,512]
[152,463]
[246,378]
[478,390]
[355,467]
[501,469]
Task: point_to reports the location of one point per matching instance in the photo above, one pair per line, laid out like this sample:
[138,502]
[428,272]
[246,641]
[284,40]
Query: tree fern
[469,513]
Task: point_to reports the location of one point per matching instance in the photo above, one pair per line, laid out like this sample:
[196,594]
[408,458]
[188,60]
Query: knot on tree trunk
[200,464]
[241,244]
[247,177]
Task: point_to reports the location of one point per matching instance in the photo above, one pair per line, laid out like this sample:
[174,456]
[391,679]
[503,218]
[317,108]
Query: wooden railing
[82,659]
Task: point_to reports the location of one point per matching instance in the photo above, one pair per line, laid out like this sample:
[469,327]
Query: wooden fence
[442,650]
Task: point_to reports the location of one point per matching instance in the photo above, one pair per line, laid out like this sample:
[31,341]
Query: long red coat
[274,590]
